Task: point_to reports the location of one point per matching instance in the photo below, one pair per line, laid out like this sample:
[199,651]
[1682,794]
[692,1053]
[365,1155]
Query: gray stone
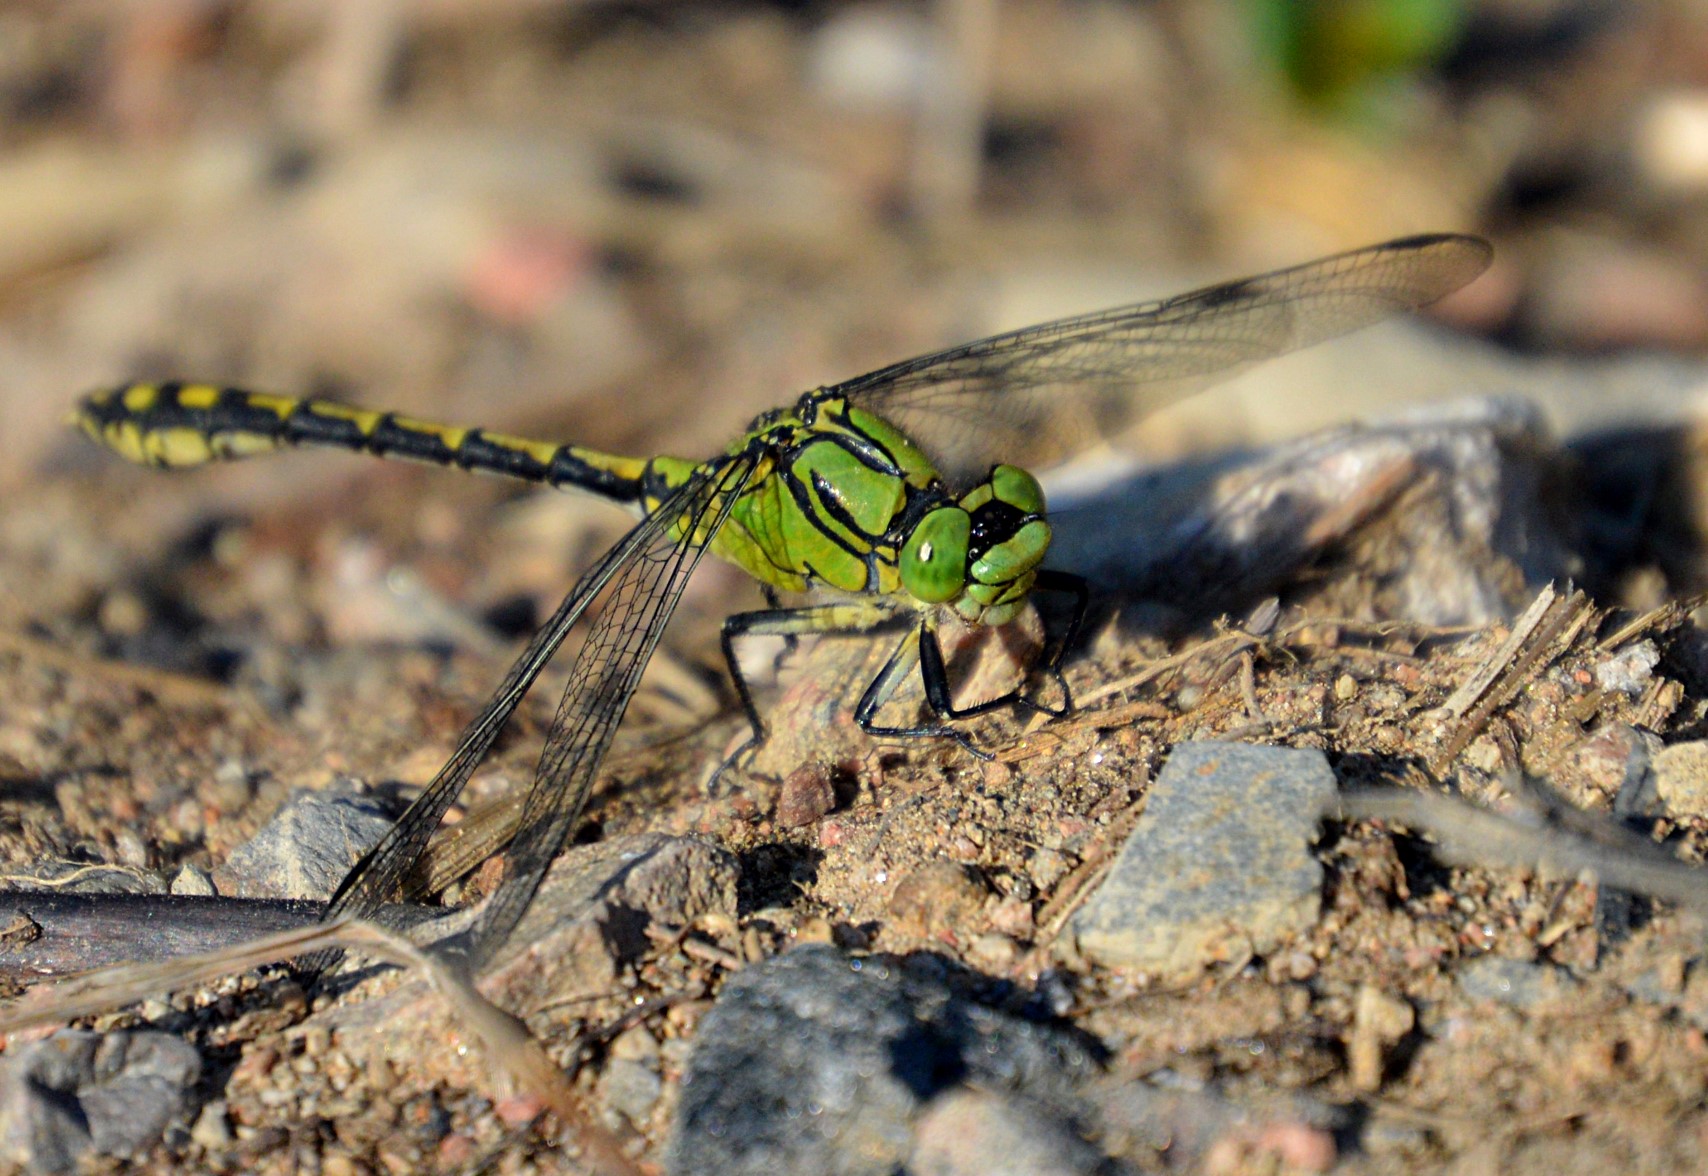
[1519,983]
[78,1094]
[308,846]
[816,1061]
[1219,866]
[1475,525]
[632,1088]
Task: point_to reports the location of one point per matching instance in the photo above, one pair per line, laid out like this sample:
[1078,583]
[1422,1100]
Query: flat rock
[818,1061]
[307,848]
[1219,530]
[1219,866]
[598,910]
[590,921]
[77,1095]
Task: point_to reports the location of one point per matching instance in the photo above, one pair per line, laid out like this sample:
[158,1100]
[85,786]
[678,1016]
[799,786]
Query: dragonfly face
[980,553]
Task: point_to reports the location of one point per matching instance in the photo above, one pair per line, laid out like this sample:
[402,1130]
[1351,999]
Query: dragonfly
[901,499]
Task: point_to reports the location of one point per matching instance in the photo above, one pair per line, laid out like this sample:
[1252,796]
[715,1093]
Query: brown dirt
[177,655]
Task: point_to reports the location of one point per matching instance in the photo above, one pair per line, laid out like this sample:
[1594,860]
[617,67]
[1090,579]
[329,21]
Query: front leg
[861,616]
[920,647]
[1067,584]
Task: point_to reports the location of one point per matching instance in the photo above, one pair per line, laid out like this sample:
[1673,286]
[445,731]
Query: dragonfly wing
[1039,394]
[642,588]
[642,577]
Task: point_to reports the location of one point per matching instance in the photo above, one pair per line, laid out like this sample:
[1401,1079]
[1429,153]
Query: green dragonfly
[878,492]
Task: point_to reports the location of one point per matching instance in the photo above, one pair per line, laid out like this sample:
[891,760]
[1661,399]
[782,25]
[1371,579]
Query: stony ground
[1447,918]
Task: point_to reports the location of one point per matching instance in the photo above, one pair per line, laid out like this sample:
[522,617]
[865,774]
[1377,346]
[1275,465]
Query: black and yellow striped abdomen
[173,424]
[835,494]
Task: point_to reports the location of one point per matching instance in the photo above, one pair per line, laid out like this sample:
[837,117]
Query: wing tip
[1455,258]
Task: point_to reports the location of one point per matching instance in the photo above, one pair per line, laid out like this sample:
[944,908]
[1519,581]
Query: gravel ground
[1365,849]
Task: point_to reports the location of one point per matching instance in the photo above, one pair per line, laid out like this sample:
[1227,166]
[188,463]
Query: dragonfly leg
[774,603]
[920,648]
[1067,584]
[859,616]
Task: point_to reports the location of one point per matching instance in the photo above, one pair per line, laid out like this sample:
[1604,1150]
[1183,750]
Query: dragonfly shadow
[1643,506]
[1470,491]
[775,875]
[1168,535]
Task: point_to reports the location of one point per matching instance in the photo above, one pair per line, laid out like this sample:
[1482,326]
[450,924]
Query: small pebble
[939,896]
[122,613]
[807,795]
[193,880]
[1219,865]
[212,1128]
[635,1044]
[518,1110]
[335,1163]
[979,1133]
[1629,670]
[993,951]
[817,929]
[1681,778]
[633,1089]
[1047,868]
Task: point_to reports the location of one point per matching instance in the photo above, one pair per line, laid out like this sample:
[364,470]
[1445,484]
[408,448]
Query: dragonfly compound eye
[934,558]
[1017,488]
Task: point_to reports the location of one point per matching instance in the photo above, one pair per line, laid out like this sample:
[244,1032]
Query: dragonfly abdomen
[176,424]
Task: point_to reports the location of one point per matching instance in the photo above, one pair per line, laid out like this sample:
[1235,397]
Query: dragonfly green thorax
[846,501]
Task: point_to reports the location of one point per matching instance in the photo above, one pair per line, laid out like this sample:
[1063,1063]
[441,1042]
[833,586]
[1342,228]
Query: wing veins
[1130,360]
[382,871]
[607,671]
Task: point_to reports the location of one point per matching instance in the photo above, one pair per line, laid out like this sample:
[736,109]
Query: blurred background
[637,224]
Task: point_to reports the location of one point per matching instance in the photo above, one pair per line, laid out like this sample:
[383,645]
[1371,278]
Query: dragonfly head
[980,553]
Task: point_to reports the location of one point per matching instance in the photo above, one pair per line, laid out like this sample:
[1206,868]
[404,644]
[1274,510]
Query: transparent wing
[1038,394]
[638,604]
[640,580]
